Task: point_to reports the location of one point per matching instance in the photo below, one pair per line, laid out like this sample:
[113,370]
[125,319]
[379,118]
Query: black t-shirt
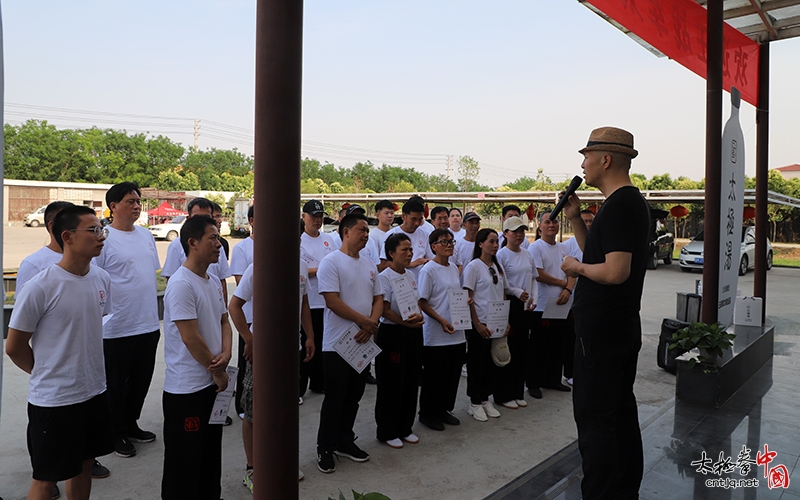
[610,313]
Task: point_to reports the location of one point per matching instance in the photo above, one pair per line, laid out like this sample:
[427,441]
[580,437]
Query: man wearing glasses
[131,333]
[56,335]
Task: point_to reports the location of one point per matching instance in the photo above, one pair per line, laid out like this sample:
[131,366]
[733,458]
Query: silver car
[168,230]
[692,254]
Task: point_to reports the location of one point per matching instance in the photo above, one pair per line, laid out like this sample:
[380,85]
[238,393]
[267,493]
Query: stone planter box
[752,348]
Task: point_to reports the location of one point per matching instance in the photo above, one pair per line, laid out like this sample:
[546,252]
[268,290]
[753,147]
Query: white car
[35,218]
[168,230]
[692,254]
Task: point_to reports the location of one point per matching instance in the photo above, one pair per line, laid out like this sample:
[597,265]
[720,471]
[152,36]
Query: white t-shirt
[356,281]
[65,314]
[459,235]
[435,283]
[573,249]
[312,251]
[176,257]
[131,259]
[241,257]
[35,263]
[478,279]
[419,244]
[386,277]
[517,266]
[462,253]
[549,258]
[377,238]
[188,297]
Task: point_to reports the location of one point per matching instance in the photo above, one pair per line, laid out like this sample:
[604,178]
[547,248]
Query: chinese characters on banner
[678,29]
[731,210]
[777,476]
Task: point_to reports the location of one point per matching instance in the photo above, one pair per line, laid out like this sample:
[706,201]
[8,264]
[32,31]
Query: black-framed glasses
[447,243]
[99,231]
[494,275]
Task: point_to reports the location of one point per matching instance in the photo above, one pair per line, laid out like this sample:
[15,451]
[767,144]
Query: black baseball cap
[355,208]
[313,207]
[470,216]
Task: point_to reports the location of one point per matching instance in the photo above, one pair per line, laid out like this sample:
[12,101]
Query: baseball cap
[470,216]
[313,207]
[355,208]
[513,223]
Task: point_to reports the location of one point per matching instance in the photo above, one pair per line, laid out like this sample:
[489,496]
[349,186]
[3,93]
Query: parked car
[692,254]
[168,230]
[35,218]
[662,243]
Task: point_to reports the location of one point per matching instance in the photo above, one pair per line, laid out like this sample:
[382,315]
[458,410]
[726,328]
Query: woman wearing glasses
[486,282]
[521,273]
[397,366]
[444,346]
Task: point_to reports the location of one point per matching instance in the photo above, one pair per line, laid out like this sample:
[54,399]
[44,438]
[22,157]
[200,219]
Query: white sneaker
[510,404]
[248,480]
[490,410]
[395,443]
[463,370]
[521,403]
[301,400]
[411,438]
[300,475]
[569,381]
[477,412]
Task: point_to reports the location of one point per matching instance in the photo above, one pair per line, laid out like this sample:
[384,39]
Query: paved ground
[465,462]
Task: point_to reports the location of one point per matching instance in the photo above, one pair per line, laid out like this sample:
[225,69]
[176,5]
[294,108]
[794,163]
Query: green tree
[468,172]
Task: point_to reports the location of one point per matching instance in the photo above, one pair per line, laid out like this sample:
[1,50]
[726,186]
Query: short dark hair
[349,221]
[195,228]
[69,218]
[436,235]
[456,209]
[412,207]
[437,210]
[383,204]
[250,212]
[199,202]
[118,191]
[587,211]
[509,208]
[53,209]
[216,208]
[393,241]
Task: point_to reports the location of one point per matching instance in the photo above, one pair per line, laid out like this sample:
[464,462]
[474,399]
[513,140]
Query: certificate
[497,317]
[308,258]
[359,356]
[555,311]
[460,316]
[531,288]
[223,400]
[406,297]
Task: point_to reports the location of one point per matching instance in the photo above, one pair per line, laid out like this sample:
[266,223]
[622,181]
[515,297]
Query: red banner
[678,28]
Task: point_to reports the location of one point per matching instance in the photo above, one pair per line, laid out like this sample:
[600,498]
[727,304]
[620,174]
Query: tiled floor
[764,412]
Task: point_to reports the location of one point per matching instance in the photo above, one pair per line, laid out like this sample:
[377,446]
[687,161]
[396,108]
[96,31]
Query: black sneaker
[137,435]
[353,452]
[371,380]
[123,447]
[228,421]
[55,493]
[99,471]
[431,423]
[450,419]
[325,462]
[535,392]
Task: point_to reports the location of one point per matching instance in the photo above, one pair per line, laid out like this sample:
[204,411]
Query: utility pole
[449,159]
[196,132]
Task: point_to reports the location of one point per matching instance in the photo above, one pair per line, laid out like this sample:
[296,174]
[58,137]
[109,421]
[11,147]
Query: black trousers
[344,388]
[441,375]
[241,363]
[398,369]
[546,351]
[569,346]
[481,370]
[129,362]
[312,374]
[607,419]
[192,447]
[511,378]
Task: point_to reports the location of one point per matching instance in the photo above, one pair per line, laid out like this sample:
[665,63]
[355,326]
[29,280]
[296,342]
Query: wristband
[567,289]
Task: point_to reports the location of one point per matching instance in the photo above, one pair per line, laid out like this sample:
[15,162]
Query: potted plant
[709,339]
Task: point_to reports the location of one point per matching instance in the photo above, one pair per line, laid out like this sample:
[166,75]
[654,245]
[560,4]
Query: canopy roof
[165,210]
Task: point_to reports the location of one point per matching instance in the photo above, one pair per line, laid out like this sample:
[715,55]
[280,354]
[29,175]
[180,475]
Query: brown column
[279,42]
[711,224]
[762,177]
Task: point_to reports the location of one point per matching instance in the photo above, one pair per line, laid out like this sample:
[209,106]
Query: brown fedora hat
[611,139]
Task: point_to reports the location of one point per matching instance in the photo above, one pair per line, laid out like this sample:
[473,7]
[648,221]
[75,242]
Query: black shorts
[60,438]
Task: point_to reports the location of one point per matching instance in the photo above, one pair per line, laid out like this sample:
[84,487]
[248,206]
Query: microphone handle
[573,186]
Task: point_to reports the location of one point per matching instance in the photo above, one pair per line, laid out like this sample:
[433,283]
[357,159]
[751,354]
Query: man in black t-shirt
[607,322]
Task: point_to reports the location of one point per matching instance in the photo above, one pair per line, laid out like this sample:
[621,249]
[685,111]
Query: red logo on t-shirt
[191,424]
[325,243]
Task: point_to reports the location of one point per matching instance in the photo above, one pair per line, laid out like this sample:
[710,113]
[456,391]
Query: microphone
[573,186]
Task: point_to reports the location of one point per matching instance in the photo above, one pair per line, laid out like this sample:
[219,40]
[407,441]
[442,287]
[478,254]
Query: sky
[517,85]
